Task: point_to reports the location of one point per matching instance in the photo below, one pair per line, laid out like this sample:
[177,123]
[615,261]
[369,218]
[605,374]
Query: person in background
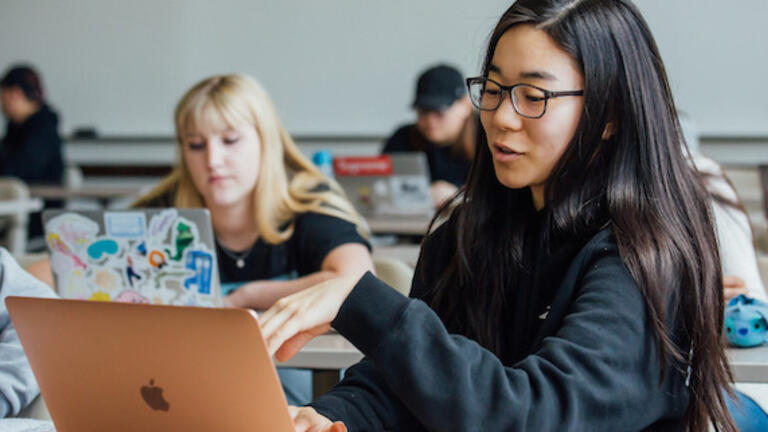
[18,387]
[31,148]
[734,231]
[280,225]
[444,130]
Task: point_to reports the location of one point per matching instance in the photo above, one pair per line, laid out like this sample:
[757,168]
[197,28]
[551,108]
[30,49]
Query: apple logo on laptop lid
[153,396]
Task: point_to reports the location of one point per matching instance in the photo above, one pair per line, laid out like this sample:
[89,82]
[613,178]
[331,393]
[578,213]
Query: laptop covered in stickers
[156,256]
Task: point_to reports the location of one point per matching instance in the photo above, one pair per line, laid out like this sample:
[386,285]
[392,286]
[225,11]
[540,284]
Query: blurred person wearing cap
[31,146]
[444,130]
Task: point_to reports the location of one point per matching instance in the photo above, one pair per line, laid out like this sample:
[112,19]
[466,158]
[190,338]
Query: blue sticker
[125,225]
[201,263]
[102,247]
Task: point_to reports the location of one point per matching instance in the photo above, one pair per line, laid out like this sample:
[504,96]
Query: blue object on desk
[746,321]
[324,161]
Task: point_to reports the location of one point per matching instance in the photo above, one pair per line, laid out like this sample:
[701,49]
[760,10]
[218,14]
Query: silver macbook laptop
[159,256]
[391,184]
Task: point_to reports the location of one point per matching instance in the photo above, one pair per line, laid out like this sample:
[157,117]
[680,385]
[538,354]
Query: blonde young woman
[280,225]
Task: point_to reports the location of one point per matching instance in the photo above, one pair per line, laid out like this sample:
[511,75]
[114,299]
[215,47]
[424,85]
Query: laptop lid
[158,256]
[136,367]
[391,184]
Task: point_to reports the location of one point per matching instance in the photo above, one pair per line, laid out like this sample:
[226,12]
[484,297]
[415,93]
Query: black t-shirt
[444,162]
[314,236]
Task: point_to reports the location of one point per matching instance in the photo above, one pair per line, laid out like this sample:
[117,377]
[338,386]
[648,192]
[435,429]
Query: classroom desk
[749,364]
[14,206]
[326,355]
[94,192]
[401,225]
[15,215]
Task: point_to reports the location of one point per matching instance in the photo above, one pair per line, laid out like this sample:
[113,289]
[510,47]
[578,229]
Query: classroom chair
[13,224]
[394,273]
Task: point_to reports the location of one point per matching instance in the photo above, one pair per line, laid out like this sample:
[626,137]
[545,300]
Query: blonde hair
[288,184]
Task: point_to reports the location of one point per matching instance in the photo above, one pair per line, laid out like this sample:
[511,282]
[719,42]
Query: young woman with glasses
[575,286]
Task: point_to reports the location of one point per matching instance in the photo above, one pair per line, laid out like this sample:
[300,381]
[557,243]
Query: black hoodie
[31,150]
[588,363]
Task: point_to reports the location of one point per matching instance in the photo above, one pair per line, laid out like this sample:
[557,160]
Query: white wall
[716,54]
[341,67]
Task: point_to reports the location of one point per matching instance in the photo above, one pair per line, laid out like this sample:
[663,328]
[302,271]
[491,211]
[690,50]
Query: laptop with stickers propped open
[158,256]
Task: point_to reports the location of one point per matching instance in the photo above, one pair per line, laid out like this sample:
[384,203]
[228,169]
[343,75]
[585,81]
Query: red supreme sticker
[362,166]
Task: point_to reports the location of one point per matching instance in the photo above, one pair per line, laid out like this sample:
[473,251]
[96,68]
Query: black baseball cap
[438,88]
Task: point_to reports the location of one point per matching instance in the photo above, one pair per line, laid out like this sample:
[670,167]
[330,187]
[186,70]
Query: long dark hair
[637,181]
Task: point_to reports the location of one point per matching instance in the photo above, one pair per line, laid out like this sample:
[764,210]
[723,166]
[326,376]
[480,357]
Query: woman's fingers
[315,307]
[733,286]
[296,343]
[296,313]
[306,419]
[336,427]
[277,315]
[732,281]
[300,423]
[288,330]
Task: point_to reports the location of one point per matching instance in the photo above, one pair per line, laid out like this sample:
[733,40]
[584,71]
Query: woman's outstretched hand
[295,320]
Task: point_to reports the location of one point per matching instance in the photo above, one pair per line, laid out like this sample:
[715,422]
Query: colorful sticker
[201,263]
[172,278]
[159,225]
[75,230]
[130,296]
[58,246]
[105,279]
[156,259]
[102,247]
[61,264]
[73,286]
[183,237]
[100,296]
[125,225]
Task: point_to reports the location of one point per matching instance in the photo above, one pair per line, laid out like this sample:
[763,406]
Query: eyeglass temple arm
[565,93]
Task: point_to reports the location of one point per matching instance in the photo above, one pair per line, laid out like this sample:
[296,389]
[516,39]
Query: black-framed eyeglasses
[528,100]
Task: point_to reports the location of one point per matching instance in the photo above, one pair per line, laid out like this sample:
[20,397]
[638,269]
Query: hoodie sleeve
[18,387]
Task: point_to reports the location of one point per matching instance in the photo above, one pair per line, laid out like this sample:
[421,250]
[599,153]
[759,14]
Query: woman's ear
[610,129]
